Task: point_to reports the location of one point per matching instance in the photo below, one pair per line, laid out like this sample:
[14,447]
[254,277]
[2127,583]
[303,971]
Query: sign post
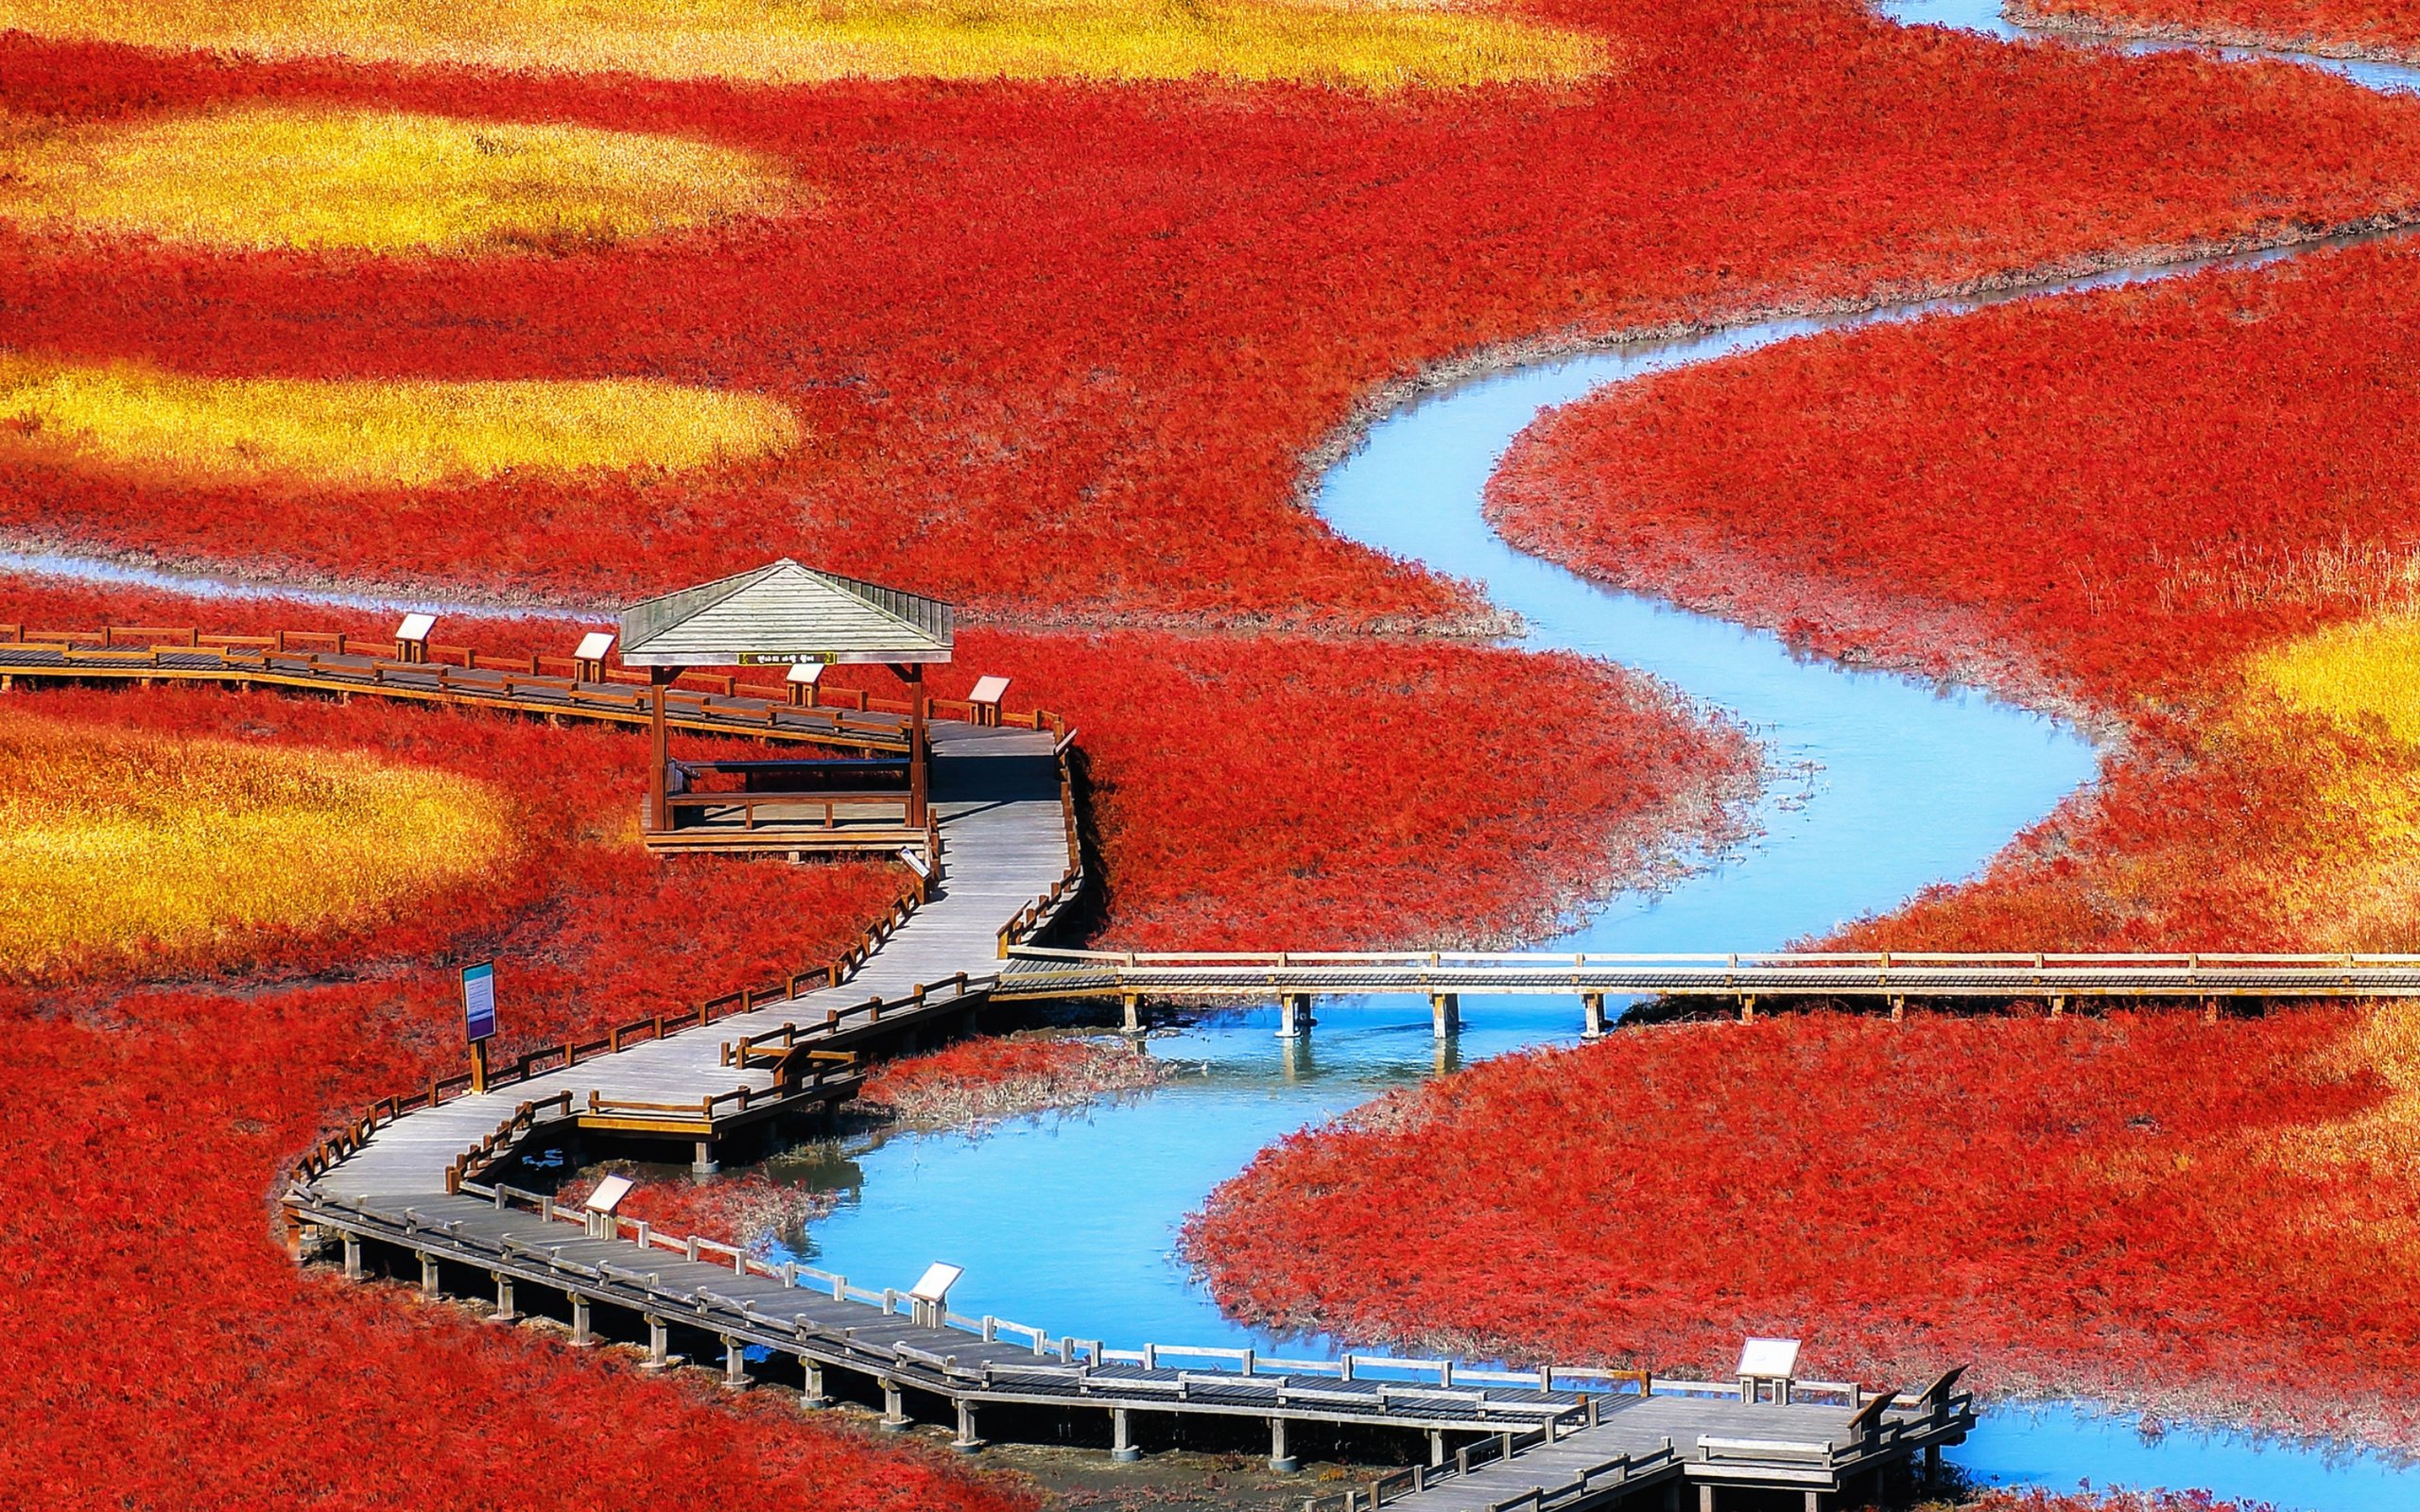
[478,1017]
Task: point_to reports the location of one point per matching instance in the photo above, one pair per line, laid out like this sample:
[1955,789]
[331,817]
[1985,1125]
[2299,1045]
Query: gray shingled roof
[784,613]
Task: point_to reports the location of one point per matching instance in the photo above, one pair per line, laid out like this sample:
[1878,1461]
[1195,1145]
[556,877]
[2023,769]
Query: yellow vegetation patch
[1359,43]
[2366,677]
[113,842]
[2354,673]
[380,181]
[371,433]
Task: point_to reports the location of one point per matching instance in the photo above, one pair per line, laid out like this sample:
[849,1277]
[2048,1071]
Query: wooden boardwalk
[414,1179]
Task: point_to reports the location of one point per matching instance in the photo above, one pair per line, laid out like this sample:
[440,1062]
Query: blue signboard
[478,1000]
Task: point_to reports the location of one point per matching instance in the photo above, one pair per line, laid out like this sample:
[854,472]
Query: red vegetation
[2101,503]
[2103,498]
[2194,1216]
[184,1364]
[987,1078]
[151,1124]
[2038,1500]
[747,1209]
[1061,349]
[2339,28]
[1259,794]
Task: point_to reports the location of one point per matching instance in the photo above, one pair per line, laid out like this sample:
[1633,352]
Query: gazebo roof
[784,613]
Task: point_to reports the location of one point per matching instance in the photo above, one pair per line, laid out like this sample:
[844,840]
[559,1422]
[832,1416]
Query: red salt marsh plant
[2332,28]
[1255,263]
[987,1078]
[2196,1218]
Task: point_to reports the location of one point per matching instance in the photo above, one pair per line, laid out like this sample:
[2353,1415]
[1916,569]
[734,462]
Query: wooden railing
[830,803]
[123,647]
[1035,916]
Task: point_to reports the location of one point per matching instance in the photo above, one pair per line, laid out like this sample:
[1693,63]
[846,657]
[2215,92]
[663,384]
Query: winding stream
[1879,747]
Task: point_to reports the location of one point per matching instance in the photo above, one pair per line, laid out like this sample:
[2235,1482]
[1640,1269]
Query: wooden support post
[478,1065]
[659,1344]
[965,1443]
[2209,1010]
[1133,1012]
[505,1312]
[1932,1464]
[428,1278]
[812,1394]
[1706,1499]
[1747,1007]
[2058,1006]
[1293,1015]
[659,757]
[352,1257]
[1444,1014]
[1898,1010]
[1121,1437]
[734,1364]
[1592,1010]
[1279,1459]
[895,1408]
[920,742]
[583,1335]
[1436,1446]
[705,1164]
[1814,1502]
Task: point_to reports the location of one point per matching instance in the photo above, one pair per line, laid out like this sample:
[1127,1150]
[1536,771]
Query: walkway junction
[981,803]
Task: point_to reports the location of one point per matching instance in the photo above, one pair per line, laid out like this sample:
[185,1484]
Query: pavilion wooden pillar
[920,742]
[659,818]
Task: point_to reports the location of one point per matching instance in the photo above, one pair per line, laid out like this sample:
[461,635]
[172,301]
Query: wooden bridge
[1888,979]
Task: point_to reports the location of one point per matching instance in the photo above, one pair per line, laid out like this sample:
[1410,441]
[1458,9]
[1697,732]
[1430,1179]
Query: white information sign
[609,1194]
[1769,1359]
[415,626]
[594,645]
[937,1279]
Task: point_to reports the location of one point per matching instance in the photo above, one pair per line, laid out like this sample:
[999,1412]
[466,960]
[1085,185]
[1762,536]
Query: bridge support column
[1134,1013]
[1706,1499]
[965,1443]
[734,1364]
[505,1312]
[812,1395]
[2209,1010]
[704,1164]
[1747,1007]
[1932,1465]
[659,1346]
[1446,1014]
[428,1278]
[352,1257]
[1121,1437]
[1293,1015]
[1898,1010]
[583,1334]
[2058,1006]
[1814,1502]
[1436,1446]
[895,1408]
[1591,1014]
[1279,1459]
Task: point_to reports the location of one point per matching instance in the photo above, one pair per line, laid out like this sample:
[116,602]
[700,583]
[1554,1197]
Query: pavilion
[786,615]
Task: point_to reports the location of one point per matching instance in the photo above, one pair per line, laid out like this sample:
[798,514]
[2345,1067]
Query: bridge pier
[1293,1015]
[704,1164]
[1445,1013]
[1747,1007]
[428,1292]
[505,1312]
[734,1364]
[1135,1023]
[352,1257]
[895,1408]
[1436,1448]
[966,1443]
[1121,1437]
[1592,1010]
[812,1394]
[1279,1460]
[2058,1006]
[583,1335]
[659,1344]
